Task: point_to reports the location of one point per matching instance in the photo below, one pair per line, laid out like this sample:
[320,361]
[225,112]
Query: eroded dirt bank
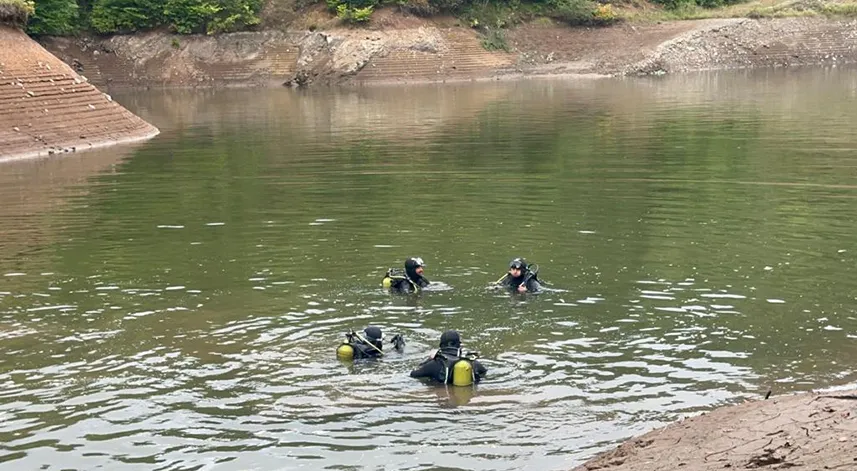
[421,50]
[815,431]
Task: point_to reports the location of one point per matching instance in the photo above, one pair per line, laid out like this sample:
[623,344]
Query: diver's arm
[481,371]
[398,342]
[509,283]
[400,286]
[533,285]
[359,351]
[427,369]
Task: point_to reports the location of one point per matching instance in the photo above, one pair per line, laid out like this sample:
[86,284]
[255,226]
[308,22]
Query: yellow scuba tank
[345,352]
[462,373]
[387,283]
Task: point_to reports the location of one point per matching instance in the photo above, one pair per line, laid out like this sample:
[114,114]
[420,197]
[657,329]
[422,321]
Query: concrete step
[33,76]
[82,112]
[45,92]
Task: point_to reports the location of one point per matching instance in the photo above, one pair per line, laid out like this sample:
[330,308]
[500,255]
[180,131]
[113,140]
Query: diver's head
[517,267]
[374,335]
[450,338]
[414,267]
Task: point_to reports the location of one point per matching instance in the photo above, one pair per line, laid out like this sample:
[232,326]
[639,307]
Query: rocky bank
[425,50]
[814,431]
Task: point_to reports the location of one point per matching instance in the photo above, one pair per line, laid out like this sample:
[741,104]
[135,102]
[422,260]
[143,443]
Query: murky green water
[176,305]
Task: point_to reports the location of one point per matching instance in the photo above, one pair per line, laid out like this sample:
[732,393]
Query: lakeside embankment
[395,48]
[47,108]
[432,50]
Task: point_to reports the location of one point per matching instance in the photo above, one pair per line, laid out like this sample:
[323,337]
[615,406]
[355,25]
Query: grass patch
[491,19]
[15,12]
[804,8]
[847,10]
[753,9]
[570,12]
[785,9]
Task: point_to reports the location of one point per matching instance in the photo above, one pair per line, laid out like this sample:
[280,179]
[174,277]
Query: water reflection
[178,305]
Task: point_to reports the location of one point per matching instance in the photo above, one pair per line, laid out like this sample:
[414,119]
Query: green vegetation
[848,10]
[495,40]
[491,17]
[804,8]
[15,12]
[353,11]
[351,14]
[62,17]
[679,4]
[752,9]
[54,17]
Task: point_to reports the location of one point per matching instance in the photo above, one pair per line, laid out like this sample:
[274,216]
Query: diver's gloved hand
[472,355]
[398,342]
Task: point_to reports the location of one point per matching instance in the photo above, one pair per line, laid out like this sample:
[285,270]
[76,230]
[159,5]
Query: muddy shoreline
[427,51]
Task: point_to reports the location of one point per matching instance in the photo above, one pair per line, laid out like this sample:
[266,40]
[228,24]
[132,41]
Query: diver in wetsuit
[368,345]
[521,277]
[450,364]
[411,281]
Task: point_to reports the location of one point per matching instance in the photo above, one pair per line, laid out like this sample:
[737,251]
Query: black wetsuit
[533,285]
[443,360]
[409,285]
[412,280]
[362,350]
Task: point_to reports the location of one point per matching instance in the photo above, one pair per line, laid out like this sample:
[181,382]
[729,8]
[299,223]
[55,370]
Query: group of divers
[450,363]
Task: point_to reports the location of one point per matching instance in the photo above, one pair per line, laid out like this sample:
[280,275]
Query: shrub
[56,17]
[448,5]
[333,5]
[189,16]
[679,4]
[361,15]
[235,15]
[210,16]
[352,11]
[418,7]
[604,14]
[125,16]
[354,14]
[181,16]
[15,12]
[495,40]
[491,15]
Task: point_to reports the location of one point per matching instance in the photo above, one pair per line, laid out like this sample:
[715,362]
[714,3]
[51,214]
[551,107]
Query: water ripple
[176,306]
